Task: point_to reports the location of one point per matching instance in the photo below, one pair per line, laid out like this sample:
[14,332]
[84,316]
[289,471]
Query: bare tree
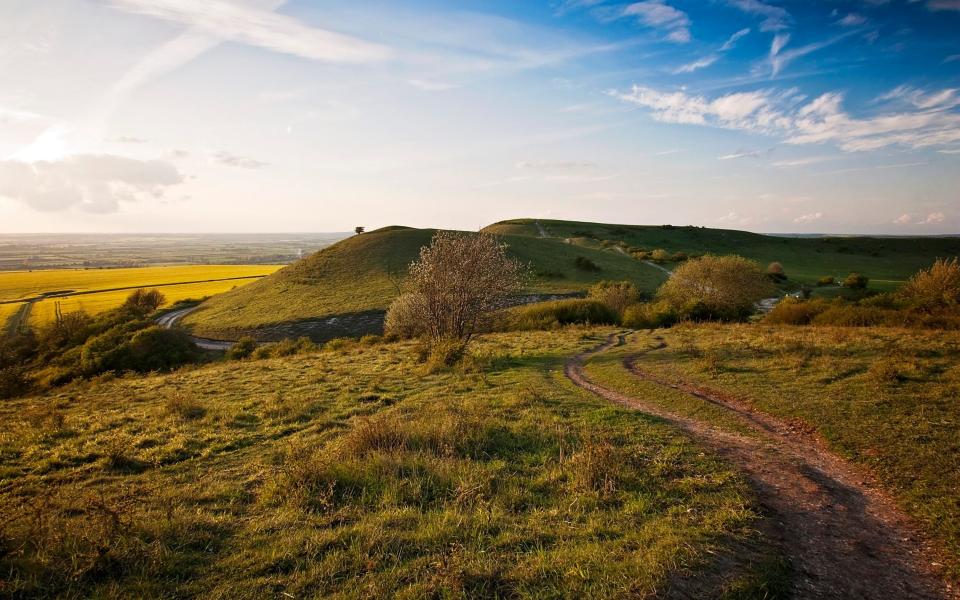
[459,280]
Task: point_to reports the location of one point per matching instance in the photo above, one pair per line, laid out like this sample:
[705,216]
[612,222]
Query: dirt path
[844,537]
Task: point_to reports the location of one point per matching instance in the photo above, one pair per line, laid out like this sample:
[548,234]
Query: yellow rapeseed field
[171,281]
[7,311]
[15,285]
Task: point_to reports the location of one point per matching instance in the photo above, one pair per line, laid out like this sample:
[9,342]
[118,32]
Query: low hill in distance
[363,273]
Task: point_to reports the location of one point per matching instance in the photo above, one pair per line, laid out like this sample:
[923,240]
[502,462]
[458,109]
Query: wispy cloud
[936,5]
[706,61]
[223,20]
[940,100]
[659,15]
[775,18]
[801,162]
[733,39]
[818,121]
[741,154]
[852,20]
[808,218]
[95,183]
[779,58]
[428,85]
[232,160]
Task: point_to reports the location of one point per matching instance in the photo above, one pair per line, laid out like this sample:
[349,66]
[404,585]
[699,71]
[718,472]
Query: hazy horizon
[273,116]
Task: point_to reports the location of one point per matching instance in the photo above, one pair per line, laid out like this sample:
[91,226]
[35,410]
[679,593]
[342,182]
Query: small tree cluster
[776,273]
[617,295]
[856,281]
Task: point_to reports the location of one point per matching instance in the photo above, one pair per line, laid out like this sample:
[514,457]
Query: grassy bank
[350,473]
[885,398]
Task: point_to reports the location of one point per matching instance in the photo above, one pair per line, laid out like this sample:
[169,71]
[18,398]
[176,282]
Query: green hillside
[362,273]
[887,261]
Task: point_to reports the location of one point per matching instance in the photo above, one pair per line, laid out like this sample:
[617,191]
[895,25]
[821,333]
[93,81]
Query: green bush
[825,281]
[548,315]
[585,264]
[617,295]
[144,350]
[243,348]
[856,281]
[649,315]
[13,381]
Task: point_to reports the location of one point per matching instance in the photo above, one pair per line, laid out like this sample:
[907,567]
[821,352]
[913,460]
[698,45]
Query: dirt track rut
[843,536]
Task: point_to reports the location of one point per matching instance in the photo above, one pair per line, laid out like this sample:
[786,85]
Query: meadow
[352,473]
[883,398]
[887,261]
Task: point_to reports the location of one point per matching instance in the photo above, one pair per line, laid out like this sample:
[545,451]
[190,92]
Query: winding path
[845,538]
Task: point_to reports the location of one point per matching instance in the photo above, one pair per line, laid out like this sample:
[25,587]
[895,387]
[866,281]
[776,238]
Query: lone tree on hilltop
[716,287]
[358,230]
[458,281]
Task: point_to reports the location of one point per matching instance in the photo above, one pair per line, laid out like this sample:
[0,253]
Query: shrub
[150,349]
[856,281]
[617,295]
[547,315]
[144,302]
[585,264]
[716,287]
[852,315]
[649,315]
[184,407]
[825,281]
[13,381]
[791,311]
[936,288]
[403,317]
[444,353]
[776,273]
[660,255]
[243,348]
[679,257]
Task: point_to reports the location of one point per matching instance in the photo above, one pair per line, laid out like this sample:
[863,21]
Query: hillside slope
[887,261]
[363,273]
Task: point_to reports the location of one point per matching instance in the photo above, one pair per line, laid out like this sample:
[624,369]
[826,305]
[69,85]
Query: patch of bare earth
[844,537]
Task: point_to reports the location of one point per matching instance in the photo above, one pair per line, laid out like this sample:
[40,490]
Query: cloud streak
[822,120]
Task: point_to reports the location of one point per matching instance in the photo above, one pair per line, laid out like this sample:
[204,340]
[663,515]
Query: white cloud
[819,121]
[95,183]
[658,15]
[779,41]
[15,115]
[701,63]
[808,218]
[780,58]
[941,100]
[225,20]
[732,40]
[800,162]
[935,218]
[852,20]
[944,5]
[556,166]
[232,160]
[431,86]
[775,18]
[903,219]
[741,154]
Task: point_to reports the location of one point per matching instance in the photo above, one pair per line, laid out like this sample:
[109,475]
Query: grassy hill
[362,273]
[350,474]
[887,261]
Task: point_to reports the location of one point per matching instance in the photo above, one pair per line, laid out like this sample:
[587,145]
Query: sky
[831,116]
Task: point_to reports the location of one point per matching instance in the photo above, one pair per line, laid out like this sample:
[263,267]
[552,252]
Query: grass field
[363,273]
[352,474]
[884,398]
[887,261]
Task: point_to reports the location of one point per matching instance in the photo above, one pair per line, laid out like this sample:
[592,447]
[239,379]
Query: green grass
[886,261]
[884,398]
[362,274]
[352,474]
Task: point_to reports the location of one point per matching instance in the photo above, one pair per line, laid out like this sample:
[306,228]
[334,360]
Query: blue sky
[264,115]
